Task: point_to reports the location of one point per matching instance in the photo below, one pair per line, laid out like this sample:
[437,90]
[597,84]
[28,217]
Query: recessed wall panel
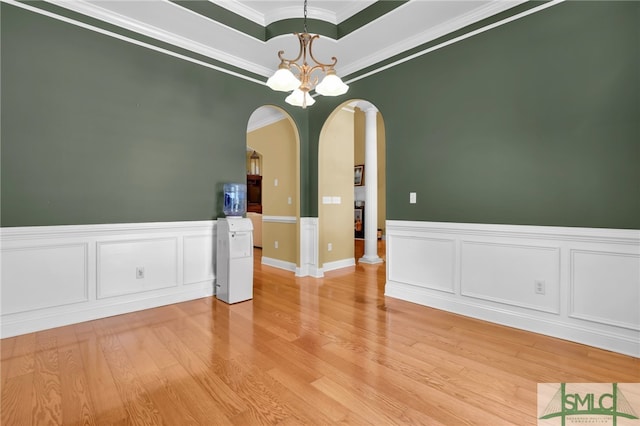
[43,277]
[120,261]
[605,287]
[199,257]
[508,274]
[423,262]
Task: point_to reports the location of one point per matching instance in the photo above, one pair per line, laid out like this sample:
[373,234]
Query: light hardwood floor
[303,351]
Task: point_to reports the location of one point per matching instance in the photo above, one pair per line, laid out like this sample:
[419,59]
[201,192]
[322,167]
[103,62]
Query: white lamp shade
[331,85]
[283,81]
[297,97]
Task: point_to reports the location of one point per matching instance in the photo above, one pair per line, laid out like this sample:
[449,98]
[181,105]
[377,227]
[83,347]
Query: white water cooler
[234,260]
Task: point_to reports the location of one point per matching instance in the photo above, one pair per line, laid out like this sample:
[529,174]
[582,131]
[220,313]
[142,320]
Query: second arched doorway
[352,140]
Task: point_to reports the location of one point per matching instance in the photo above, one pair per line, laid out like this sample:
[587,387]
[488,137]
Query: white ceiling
[411,24]
[265,12]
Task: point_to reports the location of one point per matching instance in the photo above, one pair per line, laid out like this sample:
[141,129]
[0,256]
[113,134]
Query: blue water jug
[235,199]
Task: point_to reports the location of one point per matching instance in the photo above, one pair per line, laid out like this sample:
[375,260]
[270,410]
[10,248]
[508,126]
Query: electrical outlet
[139,272]
[329,247]
[289,200]
[539,286]
[275,244]
[412,198]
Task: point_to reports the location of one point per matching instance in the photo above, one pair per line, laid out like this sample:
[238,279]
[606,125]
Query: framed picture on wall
[358,223]
[358,175]
[357,216]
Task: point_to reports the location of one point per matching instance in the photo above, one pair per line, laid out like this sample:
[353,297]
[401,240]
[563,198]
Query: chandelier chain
[305,16]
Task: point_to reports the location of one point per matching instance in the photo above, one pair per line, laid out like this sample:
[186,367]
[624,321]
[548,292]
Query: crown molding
[291,12]
[353,8]
[236,63]
[456,39]
[443,29]
[242,10]
[110,17]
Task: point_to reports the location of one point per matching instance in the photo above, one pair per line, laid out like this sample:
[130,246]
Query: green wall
[98,130]
[534,122]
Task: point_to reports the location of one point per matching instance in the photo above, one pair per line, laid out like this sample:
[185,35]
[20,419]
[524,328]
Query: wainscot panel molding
[279,219]
[309,248]
[59,275]
[578,284]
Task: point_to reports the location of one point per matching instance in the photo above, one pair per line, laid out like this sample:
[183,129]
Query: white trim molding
[578,284]
[277,263]
[59,275]
[339,264]
[309,238]
[279,219]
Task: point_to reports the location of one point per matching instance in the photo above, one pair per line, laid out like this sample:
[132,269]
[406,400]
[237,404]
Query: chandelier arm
[296,67]
[300,52]
[322,67]
[330,65]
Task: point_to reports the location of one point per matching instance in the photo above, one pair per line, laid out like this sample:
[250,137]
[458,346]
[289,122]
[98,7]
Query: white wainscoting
[591,277]
[59,275]
[309,248]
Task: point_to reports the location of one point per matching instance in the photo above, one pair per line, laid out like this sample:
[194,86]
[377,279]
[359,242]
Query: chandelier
[285,80]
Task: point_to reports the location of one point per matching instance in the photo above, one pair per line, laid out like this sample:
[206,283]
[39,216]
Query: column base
[370,259]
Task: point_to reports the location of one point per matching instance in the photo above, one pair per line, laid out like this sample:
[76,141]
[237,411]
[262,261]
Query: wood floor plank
[141,360]
[149,343]
[169,404]
[376,410]
[77,406]
[327,351]
[261,393]
[47,393]
[105,397]
[22,358]
[195,397]
[17,394]
[6,353]
[201,371]
[329,410]
[139,407]
[423,393]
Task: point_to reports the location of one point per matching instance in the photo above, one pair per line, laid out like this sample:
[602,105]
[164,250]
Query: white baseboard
[43,320]
[338,264]
[309,271]
[59,275]
[280,264]
[591,277]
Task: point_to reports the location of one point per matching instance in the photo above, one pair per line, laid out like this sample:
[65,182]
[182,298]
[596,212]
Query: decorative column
[371,187]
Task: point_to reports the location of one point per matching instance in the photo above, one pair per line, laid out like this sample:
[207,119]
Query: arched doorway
[273,135]
[351,124]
